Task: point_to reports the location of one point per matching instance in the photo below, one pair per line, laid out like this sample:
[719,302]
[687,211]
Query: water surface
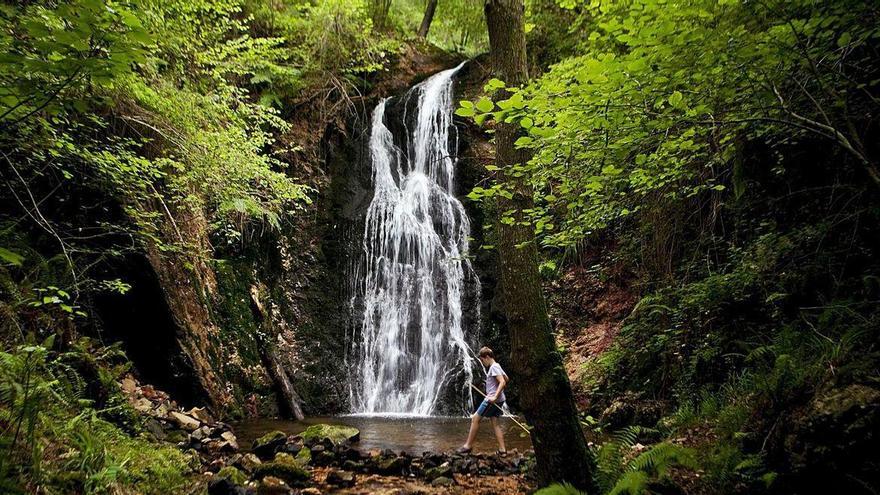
[407,433]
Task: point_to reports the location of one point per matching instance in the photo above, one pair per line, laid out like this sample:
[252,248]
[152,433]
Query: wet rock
[266,446]
[341,478]
[351,465]
[188,423]
[443,481]
[310,491]
[337,434]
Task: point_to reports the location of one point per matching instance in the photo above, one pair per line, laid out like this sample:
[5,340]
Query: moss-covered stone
[232,474]
[337,434]
[292,473]
[265,446]
[304,456]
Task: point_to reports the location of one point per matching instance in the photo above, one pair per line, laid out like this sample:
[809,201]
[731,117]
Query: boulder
[188,423]
[266,446]
[341,478]
[337,434]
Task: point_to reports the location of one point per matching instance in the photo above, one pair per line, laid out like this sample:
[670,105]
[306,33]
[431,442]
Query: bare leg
[499,435]
[472,434]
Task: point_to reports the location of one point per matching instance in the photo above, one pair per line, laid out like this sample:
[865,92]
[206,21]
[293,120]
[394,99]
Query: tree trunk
[546,399]
[426,20]
[378,10]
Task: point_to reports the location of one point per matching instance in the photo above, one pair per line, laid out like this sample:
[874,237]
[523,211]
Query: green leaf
[10,257]
[485,105]
[523,142]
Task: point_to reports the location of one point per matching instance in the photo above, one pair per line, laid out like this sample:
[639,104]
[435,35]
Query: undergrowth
[63,431]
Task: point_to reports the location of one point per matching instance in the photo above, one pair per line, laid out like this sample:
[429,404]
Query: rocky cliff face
[259,328]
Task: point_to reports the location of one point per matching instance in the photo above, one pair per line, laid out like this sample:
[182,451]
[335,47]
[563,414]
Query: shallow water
[407,433]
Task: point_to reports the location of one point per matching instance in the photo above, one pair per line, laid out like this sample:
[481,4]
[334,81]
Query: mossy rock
[266,445]
[335,433]
[304,456]
[292,473]
[438,472]
[232,474]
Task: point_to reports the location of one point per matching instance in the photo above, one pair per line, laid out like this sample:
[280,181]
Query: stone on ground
[337,434]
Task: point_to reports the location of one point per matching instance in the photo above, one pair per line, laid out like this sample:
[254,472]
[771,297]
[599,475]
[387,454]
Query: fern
[559,489]
[618,473]
[633,483]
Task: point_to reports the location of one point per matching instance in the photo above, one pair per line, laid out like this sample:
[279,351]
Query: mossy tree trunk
[546,398]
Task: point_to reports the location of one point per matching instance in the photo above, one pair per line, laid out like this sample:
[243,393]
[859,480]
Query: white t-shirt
[492,382]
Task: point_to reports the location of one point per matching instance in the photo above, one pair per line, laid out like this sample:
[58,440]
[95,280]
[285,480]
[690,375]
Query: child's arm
[502,382]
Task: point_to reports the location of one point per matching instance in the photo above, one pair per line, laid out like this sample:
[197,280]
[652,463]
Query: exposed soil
[587,306]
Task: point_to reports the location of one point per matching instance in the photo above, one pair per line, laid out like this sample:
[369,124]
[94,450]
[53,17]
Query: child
[496,380]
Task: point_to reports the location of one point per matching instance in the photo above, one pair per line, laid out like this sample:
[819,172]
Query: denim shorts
[489,410]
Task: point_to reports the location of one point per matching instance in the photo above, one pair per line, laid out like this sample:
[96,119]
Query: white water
[411,343]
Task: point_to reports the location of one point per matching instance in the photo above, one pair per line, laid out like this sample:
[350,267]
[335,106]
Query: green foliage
[621,468]
[458,25]
[559,489]
[639,112]
[43,398]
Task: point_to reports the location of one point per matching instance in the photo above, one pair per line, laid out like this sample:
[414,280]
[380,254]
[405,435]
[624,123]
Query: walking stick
[496,405]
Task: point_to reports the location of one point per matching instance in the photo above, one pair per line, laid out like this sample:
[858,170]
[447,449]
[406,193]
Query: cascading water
[411,345]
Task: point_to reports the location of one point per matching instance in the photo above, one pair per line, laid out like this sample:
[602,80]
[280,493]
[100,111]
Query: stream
[399,433]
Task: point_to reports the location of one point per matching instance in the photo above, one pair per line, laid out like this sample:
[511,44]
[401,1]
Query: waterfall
[411,346]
